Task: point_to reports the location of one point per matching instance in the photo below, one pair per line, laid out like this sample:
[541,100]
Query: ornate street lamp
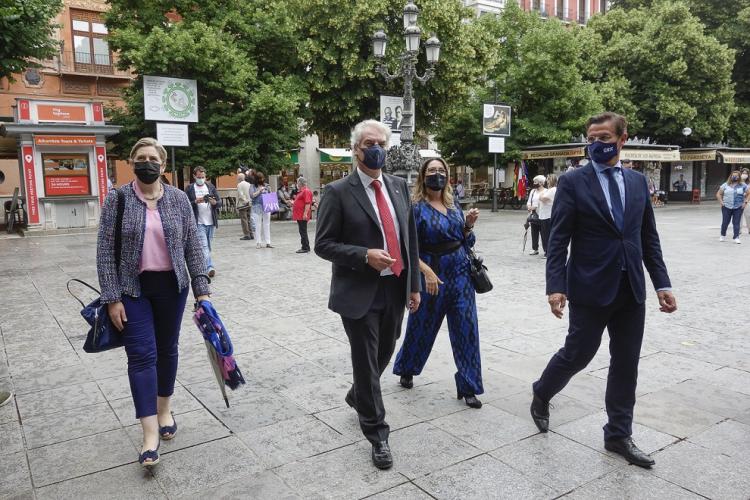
[406,157]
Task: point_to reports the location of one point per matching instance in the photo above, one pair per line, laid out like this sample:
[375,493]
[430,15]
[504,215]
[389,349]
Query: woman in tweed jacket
[160,256]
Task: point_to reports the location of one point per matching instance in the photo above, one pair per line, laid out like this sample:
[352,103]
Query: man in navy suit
[604,212]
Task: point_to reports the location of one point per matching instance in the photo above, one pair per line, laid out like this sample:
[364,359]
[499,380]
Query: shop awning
[554,151]
[697,154]
[650,154]
[734,157]
[7,129]
[292,157]
[335,155]
[428,153]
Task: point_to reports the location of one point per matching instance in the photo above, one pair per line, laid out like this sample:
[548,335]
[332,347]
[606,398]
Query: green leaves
[26,31]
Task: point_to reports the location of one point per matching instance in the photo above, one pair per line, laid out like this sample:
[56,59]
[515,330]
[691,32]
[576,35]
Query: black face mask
[147,172]
[436,182]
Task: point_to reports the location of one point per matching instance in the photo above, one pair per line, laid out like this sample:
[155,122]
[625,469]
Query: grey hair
[241,177]
[302,181]
[149,141]
[359,130]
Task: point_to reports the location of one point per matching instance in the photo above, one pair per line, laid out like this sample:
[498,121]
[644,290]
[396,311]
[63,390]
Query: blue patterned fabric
[456,300]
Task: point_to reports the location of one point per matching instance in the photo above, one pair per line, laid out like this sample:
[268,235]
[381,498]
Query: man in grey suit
[366,229]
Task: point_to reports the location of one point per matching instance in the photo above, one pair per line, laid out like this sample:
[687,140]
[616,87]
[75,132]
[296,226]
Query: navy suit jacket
[581,218]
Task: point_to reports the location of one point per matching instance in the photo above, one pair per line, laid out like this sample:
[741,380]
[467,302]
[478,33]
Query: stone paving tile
[704,471]
[344,419]
[8,412]
[540,457]
[115,387]
[586,388]
[480,478]
[426,402]
[631,482]
[339,474]
[15,481]
[193,427]
[588,431]
[11,438]
[251,413]
[201,467]
[81,456]
[406,491]
[708,397]
[318,396]
[44,430]
[487,428]
[58,399]
[293,439]
[661,412]
[260,485]
[729,378]
[182,402]
[729,438]
[424,448]
[565,408]
[128,482]
[44,380]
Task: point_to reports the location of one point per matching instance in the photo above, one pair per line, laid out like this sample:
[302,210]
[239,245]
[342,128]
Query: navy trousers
[150,337]
[624,319]
[734,215]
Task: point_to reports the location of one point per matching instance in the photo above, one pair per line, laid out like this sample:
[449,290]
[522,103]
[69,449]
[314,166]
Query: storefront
[554,158]
[62,160]
[711,167]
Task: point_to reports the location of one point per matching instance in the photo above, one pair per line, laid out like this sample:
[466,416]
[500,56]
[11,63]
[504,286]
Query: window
[90,48]
[582,11]
[603,6]
[66,174]
[560,9]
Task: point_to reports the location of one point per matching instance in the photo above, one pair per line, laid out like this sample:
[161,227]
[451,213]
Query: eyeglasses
[432,171]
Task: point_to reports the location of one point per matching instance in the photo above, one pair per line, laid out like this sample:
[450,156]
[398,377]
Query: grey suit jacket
[347,227]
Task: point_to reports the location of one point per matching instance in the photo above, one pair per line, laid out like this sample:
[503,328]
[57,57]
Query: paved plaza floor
[70,431]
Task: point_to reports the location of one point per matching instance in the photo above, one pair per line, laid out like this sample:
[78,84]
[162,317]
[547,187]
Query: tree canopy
[241,54]
[337,66]
[26,31]
[662,71]
[538,73]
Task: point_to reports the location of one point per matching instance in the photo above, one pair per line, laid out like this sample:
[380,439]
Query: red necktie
[389,228]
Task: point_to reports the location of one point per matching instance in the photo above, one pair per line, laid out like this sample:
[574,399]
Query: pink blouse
[154,255]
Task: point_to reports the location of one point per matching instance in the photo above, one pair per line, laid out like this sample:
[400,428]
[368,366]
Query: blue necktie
[615,199]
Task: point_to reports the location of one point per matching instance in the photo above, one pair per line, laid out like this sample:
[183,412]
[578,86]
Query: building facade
[55,113]
[570,11]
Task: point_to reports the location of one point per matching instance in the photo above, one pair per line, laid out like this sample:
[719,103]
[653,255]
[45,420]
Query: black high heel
[406,381]
[471,400]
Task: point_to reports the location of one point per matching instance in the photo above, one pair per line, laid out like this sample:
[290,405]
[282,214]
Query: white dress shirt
[370,190]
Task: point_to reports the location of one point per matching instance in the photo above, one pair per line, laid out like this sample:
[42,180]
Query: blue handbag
[102,336]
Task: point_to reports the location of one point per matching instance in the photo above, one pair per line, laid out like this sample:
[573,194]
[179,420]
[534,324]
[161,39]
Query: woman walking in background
[262,219]
[546,199]
[160,256]
[444,239]
[745,178]
[733,196]
[532,206]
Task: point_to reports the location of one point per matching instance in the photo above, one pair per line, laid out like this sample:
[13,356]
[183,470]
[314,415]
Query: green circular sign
[178,100]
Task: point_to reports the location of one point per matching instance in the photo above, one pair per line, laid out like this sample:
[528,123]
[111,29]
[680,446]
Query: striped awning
[646,154]
[554,152]
[698,155]
[734,157]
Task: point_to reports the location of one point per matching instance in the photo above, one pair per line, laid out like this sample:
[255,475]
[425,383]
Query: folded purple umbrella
[219,347]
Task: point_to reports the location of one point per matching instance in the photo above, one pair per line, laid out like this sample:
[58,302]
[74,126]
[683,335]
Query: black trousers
[302,226]
[624,320]
[535,229]
[372,339]
[545,229]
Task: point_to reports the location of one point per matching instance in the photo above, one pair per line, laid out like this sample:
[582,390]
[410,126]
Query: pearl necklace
[161,191]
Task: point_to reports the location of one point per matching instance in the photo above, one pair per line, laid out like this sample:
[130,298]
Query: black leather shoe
[472,401]
[350,400]
[627,448]
[407,381]
[302,250]
[540,413]
[381,455]
[246,238]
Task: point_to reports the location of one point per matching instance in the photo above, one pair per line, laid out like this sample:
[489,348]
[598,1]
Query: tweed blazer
[180,232]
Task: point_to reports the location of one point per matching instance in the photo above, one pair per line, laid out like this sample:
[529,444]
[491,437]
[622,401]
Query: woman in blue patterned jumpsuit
[444,238]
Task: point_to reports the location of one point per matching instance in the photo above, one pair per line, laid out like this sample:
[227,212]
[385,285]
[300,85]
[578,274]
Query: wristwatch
[366,259]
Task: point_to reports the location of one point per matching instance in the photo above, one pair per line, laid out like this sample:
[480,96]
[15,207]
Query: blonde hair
[551,180]
[149,141]
[419,193]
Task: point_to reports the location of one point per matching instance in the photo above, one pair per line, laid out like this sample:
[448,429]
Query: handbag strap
[67,285]
[118,228]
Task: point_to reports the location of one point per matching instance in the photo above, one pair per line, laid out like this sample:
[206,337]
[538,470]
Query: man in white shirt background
[206,203]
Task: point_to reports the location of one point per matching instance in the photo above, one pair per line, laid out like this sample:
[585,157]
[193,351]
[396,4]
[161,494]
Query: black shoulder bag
[102,336]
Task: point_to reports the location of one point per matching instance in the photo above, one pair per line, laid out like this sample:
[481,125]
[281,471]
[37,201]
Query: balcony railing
[69,62]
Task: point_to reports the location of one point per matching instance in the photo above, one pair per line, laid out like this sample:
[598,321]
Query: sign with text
[63,185]
[66,174]
[497,144]
[29,178]
[170,99]
[172,134]
[101,173]
[496,120]
[61,113]
[64,140]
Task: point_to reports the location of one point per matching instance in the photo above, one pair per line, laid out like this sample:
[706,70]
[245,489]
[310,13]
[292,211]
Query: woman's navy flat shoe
[168,431]
[151,455]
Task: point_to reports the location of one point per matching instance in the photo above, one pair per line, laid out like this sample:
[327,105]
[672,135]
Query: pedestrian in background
[243,206]
[285,202]
[546,199]
[302,212]
[733,196]
[532,207]
[366,229]
[745,178]
[445,238]
[161,257]
[603,213]
[262,219]
[206,203]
